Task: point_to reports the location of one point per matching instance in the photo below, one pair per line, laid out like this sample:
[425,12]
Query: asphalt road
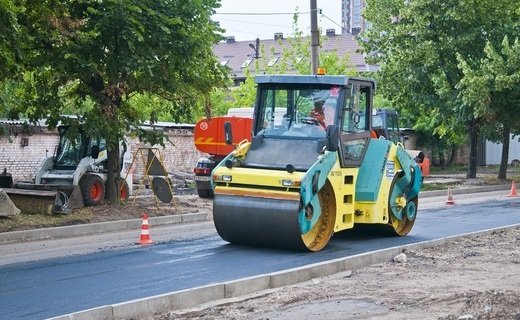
[45,288]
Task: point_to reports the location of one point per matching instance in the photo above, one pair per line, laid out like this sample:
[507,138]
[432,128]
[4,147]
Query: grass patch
[434,186]
[32,221]
[449,169]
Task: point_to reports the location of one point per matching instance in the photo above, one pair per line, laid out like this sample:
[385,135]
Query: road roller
[312,167]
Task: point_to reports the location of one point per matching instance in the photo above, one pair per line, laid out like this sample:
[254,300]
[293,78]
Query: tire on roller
[92,189]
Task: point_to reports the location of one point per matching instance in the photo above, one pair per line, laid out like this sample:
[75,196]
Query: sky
[248,27]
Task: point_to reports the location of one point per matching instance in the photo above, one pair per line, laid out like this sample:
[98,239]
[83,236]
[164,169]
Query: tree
[8,38]
[417,44]
[8,52]
[101,54]
[493,86]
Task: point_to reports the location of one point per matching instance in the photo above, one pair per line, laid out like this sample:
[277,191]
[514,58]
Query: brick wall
[178,155]
[22,162]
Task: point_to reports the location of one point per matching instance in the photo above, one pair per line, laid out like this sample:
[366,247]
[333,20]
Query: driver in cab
[317,113]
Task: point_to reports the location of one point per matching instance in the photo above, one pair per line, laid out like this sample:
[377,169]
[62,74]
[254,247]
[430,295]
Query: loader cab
[74,147]
[385,124]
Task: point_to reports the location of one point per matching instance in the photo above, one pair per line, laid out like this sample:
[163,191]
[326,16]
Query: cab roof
[309,79]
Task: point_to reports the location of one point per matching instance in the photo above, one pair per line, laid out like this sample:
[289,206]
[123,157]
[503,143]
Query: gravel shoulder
[468,278]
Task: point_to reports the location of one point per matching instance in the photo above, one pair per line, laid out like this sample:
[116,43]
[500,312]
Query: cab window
[355,129]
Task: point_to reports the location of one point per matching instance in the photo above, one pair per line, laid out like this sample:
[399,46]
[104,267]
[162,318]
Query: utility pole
[315,39]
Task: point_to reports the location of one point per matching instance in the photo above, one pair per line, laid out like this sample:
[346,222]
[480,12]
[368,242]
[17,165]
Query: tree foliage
[419,44]
[101,56]
[9,53]
[492,85]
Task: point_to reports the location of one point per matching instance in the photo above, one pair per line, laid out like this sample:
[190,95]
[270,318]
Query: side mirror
[332,138]
[228,133]
[94,152]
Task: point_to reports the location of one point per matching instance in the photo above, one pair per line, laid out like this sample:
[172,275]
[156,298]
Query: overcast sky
[249,27]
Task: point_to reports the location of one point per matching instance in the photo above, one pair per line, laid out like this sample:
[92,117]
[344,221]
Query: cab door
[355,126]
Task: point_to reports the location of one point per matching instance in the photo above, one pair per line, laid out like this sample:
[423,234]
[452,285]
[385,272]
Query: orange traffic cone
[145,232]
[513,190]
[450,197]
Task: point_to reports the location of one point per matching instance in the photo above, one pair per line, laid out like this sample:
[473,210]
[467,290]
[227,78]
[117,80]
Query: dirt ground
[470,278]
[185,200]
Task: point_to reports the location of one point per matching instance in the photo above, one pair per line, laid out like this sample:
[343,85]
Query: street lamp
[256,48]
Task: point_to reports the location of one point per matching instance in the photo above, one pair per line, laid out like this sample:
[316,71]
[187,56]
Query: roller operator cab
[313,169]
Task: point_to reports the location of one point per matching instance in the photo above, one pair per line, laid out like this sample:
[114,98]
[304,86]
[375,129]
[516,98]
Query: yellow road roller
[312,168]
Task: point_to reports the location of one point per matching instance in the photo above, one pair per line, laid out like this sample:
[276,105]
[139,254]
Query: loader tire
[125,191]
[92,189]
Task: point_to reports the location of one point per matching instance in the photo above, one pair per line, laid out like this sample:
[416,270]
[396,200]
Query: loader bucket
[33,201]
[39,201]
[75,199]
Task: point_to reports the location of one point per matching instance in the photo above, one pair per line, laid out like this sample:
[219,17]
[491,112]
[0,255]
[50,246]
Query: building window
[246,63]
[272,62]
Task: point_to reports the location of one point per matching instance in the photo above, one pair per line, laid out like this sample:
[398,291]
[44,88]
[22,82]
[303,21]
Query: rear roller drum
[320,234]
[401,212]
[402,227]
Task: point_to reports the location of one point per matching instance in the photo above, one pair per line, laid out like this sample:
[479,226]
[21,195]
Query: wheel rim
[96,191]
[320,234]
[124,194]
[411,210]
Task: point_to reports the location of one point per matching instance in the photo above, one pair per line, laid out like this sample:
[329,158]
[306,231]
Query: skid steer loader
[301,179]
[73,177]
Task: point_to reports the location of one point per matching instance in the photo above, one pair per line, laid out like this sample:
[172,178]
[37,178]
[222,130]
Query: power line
[339,25]
[259,23]
[259,13]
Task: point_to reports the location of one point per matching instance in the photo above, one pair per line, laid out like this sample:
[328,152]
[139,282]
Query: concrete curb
[96,228]
[438,193]
[142,308]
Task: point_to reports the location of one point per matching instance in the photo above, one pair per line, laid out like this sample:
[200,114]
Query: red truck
[209,139]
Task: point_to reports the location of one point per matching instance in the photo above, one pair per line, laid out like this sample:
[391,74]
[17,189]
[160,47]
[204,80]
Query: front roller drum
[269,223]
[258,221]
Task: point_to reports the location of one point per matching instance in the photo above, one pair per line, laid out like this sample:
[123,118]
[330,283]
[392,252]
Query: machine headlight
[290,183]
[225,178]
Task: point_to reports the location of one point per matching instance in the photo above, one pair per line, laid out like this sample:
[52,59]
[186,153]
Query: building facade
[351,16]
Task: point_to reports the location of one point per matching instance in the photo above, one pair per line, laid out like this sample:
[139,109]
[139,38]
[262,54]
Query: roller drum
[258,221]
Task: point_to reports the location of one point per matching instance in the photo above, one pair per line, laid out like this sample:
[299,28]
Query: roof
[239,55]
[159,124]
